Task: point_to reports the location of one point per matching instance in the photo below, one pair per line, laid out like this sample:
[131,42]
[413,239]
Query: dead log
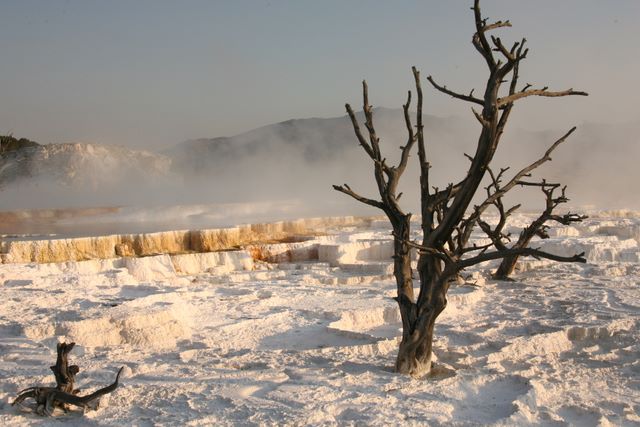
[64,393]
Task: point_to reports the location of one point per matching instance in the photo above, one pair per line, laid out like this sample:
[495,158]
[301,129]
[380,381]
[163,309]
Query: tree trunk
[506,267]
[403,273]
[402,257]
[415,352]
[508,263]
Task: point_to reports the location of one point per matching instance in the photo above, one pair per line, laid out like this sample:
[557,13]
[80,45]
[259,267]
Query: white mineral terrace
[45,250]
[305,333]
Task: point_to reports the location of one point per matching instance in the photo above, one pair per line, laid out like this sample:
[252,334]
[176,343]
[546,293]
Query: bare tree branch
[479,39]
[495,25]
[475,247]
[432,251]
[536,253]
[356,129]
[404,158]
[538,92]
[500,48]
[443,89]
[374,141]
[481,119]
[538,226]
[347,190]
[516,180]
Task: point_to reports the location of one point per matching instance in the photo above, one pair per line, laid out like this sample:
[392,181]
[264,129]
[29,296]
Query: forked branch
[356,129]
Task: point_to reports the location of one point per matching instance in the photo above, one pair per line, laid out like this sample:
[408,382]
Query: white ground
[314,342]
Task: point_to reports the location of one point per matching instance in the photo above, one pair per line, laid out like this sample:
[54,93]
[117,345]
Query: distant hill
[313,141]
[300,159]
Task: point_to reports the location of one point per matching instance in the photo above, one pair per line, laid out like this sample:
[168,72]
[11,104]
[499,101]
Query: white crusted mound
[347,253]
[151,268]
[222,262]
[152,322]
[596,249]
[379,322]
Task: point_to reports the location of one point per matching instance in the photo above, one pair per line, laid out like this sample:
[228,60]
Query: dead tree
[538,227]
[444,250]
[496,190]
[64,393]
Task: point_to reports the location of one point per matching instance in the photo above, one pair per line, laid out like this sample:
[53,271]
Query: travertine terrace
[305,333]
[46,249]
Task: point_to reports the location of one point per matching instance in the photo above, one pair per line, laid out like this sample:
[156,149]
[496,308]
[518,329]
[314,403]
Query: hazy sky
[153,73]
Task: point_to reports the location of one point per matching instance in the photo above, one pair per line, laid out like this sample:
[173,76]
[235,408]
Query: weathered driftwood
[63,394]
[65,374]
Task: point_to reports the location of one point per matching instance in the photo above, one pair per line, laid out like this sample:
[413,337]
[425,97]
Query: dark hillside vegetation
[10,143]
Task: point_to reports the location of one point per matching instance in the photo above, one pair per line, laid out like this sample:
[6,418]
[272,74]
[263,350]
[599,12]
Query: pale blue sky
[153,73]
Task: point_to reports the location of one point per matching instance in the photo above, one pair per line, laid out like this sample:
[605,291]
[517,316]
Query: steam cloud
[299,160]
